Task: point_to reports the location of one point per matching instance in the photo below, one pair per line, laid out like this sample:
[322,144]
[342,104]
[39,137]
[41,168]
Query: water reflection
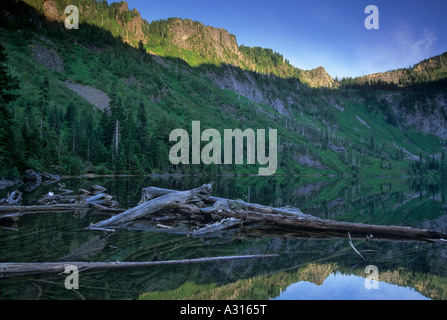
[348,287]
[306,269]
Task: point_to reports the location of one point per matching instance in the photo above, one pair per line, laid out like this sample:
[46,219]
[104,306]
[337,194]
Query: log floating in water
[328,228]
[154,192]
[56,202]
[12,198]
[99,198]
[217,226]
[292,219]
[9,269]
[98,189]
[107,209]
[185,200]
[151,193]
[42,208]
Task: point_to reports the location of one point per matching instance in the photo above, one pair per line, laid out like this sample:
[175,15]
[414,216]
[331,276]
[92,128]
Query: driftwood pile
[254,220]
[212,215]
[56,200]
[224,215]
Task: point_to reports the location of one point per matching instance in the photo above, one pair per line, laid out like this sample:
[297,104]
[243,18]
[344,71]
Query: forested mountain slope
[104,98]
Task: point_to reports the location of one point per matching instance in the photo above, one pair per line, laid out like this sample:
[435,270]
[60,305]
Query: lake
[305,268]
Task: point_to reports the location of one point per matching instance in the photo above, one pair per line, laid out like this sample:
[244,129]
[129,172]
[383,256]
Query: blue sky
[339,286]
[324,33]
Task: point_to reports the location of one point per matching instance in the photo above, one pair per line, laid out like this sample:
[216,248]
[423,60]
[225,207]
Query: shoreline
[8,183]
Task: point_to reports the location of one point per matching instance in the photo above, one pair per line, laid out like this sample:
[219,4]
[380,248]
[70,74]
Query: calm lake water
[305,269]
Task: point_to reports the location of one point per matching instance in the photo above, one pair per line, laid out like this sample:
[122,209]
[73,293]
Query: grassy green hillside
[105,97]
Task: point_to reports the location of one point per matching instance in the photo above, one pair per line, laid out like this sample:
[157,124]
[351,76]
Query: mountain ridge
[185,31]
[217,45]
[428,70]
[174,76]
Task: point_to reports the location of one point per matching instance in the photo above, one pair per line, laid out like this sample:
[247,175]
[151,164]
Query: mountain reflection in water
[348,287]
[305,268]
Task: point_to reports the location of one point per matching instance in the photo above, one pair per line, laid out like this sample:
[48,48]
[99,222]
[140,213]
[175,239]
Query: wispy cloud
[401,48]
[413,48]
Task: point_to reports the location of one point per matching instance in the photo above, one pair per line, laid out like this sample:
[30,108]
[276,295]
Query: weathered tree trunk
[57,202]
[292,219]
[99,198]
[49,178]
[178,200]
[154,192]
[9,269]
[321,228]
[98,189]
[12,198]
[106,209]
[217,226]
[151,193]
[42,208]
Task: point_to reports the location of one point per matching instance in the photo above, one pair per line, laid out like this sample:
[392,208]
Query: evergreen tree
[143,134]
[7,85]
[44,102]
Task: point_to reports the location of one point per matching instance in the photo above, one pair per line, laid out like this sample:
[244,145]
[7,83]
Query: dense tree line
[429,165]
[44,126]
[367,85]
[265,58]
[7,86]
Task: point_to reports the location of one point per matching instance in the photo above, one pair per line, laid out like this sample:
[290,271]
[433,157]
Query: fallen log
[85,192]
[326,228]
[42,208]
[12,198]
[98,189]
[99,198]
[289,220]
[48,178]
[151,193]
[10,269]
[62,189]
[51,198]
[292,219]
[217,226]
[182,200]
[56,202]
[107,209]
